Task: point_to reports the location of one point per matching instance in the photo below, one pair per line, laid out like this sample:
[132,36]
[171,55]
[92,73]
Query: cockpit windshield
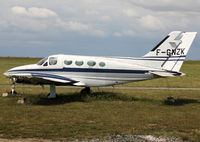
[42,61]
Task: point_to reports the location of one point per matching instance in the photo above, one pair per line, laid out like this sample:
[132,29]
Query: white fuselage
[86,71]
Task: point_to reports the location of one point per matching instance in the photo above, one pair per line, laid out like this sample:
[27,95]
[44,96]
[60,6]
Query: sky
[39,28]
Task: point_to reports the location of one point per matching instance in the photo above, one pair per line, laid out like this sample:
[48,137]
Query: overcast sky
[38,28]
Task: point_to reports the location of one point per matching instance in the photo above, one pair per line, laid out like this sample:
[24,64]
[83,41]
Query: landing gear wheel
[13,92]
[49,96]
[86,90]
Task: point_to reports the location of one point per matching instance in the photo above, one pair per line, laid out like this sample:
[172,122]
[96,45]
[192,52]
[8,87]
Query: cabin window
[91,63]
[102,64]
[52,61]
[79,63]
[68,62]
[42,61]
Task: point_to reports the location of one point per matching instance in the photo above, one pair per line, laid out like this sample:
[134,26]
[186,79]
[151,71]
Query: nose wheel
[86,90]
[13,92]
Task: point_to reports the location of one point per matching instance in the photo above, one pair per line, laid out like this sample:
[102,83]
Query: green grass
[105,111]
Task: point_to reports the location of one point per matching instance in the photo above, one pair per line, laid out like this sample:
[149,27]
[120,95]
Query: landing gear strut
[86,90]
[52,93]
[13,92]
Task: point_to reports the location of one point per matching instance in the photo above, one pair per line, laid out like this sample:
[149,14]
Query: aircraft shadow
[180,102]
[100,96]
[77,97]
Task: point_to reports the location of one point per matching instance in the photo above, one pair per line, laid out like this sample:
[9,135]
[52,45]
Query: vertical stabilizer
[170,53]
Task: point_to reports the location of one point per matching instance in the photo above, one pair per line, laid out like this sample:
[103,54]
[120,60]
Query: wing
[42,78]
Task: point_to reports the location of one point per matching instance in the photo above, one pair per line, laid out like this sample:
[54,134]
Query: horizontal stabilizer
[168,74]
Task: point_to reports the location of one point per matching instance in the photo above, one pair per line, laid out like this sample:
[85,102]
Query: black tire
[86,90]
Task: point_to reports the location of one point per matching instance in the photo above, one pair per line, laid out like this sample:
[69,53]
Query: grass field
[105,111]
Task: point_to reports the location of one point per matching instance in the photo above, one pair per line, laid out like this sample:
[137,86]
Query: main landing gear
[52,93]
[86,90]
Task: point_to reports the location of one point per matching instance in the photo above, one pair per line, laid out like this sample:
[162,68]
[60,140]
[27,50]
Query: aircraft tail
[170,53]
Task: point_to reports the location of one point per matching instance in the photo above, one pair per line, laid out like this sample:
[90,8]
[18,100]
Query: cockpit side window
[45,64]
[42,61]
[52,60]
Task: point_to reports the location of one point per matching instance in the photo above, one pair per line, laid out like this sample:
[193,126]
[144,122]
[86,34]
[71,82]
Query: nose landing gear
[13,92]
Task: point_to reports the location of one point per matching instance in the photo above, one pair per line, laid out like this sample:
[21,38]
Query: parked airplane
[164,60]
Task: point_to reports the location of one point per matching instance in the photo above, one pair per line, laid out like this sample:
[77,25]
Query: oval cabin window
[91,63]
[68,62]
[102,64]
[79,63]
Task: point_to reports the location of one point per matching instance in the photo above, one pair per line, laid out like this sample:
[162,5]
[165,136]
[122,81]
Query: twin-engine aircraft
[164,60]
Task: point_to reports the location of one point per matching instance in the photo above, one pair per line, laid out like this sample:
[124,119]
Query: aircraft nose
[6,74]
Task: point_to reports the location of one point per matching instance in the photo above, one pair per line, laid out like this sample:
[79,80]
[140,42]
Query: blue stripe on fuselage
[95,70]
